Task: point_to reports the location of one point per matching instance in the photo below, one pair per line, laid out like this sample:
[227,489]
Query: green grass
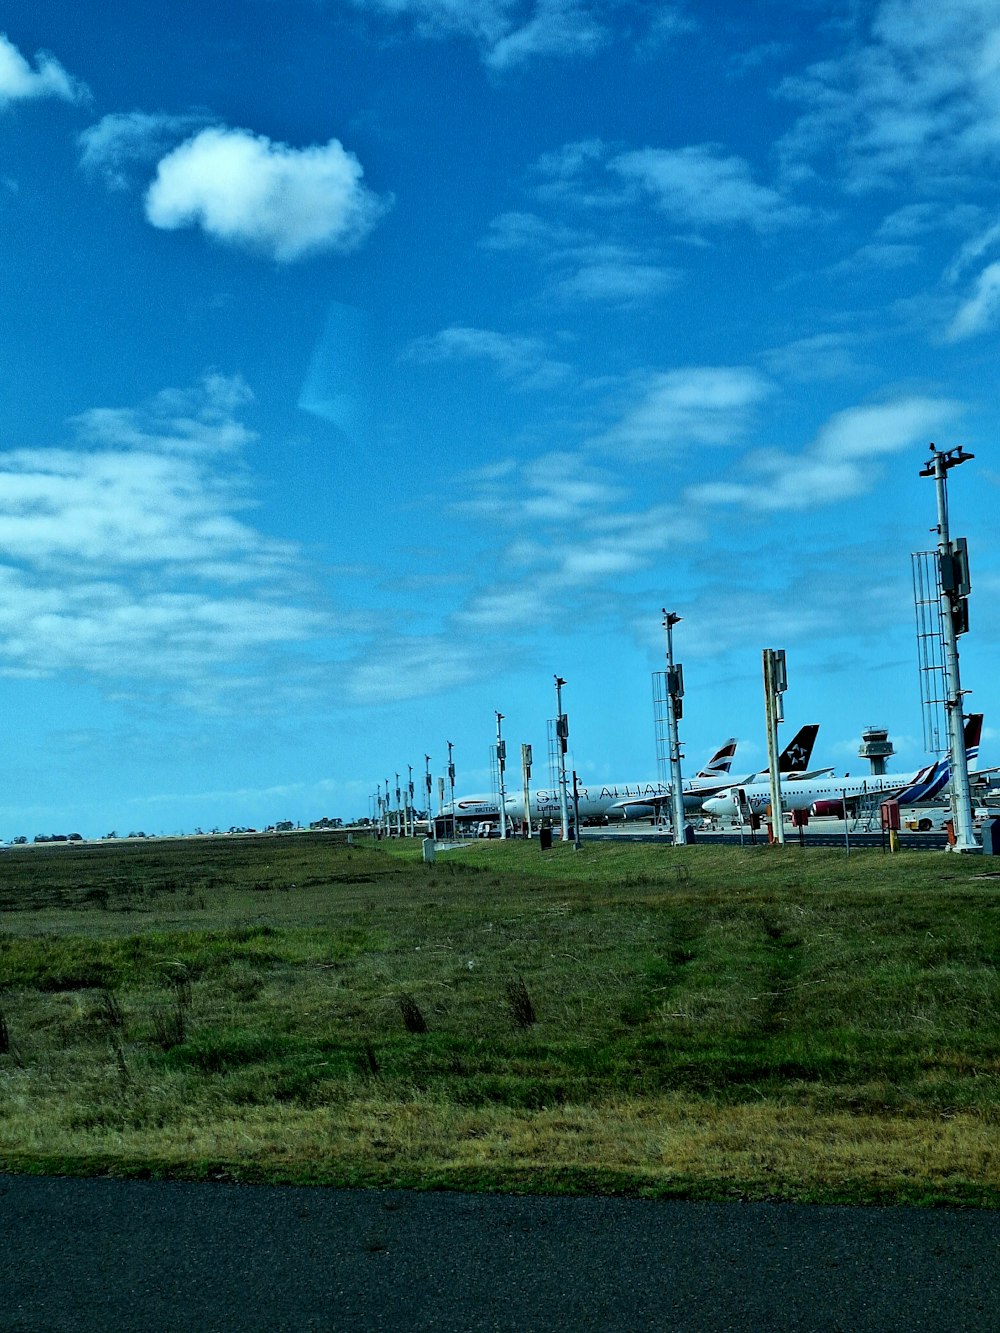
[705,1022]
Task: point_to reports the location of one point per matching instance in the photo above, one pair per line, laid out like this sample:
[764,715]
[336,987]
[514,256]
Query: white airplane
[908,788]
[630,800]
[544,802]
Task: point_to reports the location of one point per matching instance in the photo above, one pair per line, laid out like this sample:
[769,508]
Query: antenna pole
[953,582]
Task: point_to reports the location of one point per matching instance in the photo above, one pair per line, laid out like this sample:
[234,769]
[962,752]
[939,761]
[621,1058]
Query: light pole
[526,778]
[775,684]
[427,784]
[953,581]
[562,732]
[501,765]
[409,793]
[451,781]
[675,693]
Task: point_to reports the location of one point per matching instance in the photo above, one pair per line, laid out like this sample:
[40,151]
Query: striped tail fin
[721,761]
[973,735]
[928,782]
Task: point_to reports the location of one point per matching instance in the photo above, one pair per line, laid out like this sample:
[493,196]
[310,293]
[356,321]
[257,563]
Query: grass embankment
[709,1022]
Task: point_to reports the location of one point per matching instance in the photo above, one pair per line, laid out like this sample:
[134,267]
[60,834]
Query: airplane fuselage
[616,800]
[756,797]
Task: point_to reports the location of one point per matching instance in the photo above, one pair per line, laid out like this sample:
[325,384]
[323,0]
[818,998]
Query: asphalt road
[121,1255]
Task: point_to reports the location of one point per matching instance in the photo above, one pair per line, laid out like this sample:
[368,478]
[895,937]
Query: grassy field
[703,1022]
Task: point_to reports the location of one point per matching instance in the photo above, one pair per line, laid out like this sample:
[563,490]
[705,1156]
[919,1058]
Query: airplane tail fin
[794,758]
[721,761]
[973,735]
[935,777]
[928,782]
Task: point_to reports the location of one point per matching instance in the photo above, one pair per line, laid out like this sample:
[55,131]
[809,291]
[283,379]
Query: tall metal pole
[774,687]
[526,778]
[675,691]
[451,780]
[409,801]
[562,734]
[954,587]
[501,765]
[427,784]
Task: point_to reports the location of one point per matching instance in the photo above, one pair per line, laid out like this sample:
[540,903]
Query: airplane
[632,800]
[907,788]
[715,773]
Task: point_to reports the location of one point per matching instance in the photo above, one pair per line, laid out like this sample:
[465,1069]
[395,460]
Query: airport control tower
[876,747]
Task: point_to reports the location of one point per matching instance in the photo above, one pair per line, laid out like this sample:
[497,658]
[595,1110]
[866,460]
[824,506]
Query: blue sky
[368,362]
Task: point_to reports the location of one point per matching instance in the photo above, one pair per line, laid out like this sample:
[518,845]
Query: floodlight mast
[562,735]
[526,758]
[954,591]
[501,765]
[775,684]
[675,692]
[451,782]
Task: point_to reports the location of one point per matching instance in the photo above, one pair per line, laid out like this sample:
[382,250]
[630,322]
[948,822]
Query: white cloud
[556,489]
[822,356]
[700,186]
[980,313]
[973,250]
[842,462]
[177,421]
[121,143]
[20,83]
[126,556]
[520,358]
[678,409]
[578,546]
[615,281]
[527,231]
[582,267]
[556,28]
[283,202]
[917,88]
[508,33]
[410,667]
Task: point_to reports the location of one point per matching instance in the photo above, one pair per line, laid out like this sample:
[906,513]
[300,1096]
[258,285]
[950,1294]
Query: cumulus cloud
[19,82]
[282,202]
[675,409]
[842,462]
